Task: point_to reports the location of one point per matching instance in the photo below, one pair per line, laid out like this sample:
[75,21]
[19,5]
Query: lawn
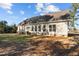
[14,37]
[21,45]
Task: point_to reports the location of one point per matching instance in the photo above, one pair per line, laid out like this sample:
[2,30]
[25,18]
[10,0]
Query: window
[27,27]
[44,27]
[54,19]
[50,28]
[39,28]
[54,28]
[32,28]
[35,28]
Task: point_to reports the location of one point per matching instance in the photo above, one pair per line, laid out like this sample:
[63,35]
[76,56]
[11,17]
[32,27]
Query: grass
[35,47]
[24,38]
[14,37]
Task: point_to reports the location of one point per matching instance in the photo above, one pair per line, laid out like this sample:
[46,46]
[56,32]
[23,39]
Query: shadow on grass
[18,48]
[59,50]
[11,48]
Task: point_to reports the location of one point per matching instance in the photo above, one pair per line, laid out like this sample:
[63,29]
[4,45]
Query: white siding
[61,28]
[28,28]
[21,29]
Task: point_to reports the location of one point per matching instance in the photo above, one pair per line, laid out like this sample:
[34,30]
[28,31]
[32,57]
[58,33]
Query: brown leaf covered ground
[40,46]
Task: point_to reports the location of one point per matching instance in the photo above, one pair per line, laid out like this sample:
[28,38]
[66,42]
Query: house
[54,24]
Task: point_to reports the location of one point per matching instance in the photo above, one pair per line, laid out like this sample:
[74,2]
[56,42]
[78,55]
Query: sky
[14,13]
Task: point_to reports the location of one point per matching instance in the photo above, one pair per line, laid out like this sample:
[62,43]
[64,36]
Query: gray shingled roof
[45,18]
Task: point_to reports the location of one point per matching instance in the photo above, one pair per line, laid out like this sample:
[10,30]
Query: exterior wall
[28,28]
[21,29]
[61,29]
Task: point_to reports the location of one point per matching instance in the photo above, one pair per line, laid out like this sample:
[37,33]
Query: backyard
[13,38]
[16,45]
